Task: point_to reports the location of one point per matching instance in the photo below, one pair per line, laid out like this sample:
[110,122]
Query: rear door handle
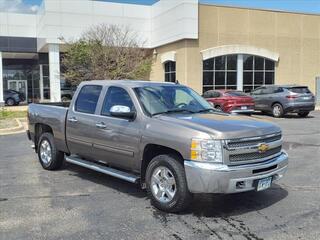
[73,120]
[101,125]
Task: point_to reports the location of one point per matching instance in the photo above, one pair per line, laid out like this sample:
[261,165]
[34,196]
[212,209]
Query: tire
[65,99]
[180,196]
[10,102]
[49,157]
[303,114]
[218,108]
[277,110]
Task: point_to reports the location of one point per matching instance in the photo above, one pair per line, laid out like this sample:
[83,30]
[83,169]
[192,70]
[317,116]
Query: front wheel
[49,157]
[166,184]
[10,102]
[303,114]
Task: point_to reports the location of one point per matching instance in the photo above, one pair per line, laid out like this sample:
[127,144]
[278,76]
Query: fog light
[240,185]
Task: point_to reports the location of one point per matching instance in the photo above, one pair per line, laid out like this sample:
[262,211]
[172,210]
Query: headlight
[206,150]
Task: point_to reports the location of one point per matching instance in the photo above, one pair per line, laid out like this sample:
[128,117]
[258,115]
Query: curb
[14,130]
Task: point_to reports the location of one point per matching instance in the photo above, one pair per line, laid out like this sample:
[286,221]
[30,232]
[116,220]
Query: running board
[103,169]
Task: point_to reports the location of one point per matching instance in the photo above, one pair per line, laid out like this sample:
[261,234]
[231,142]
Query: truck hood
[222,126]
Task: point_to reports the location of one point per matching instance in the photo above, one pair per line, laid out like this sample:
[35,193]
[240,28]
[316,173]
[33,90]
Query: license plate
[264,183]
[244,107]
[306,98]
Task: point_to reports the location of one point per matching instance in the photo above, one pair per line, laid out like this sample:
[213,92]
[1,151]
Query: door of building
[20,86]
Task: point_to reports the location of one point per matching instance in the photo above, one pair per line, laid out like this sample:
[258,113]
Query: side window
[258,91]
[216,94]
[278,90]
[88,98]
[116,96]
[268,90]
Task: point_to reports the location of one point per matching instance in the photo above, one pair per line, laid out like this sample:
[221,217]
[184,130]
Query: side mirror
[122,112]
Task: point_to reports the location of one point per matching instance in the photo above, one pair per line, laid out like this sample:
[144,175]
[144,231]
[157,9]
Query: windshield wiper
[172,111]
[206,110]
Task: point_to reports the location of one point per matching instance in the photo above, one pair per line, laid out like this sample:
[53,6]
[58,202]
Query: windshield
[236,94]
[166,99]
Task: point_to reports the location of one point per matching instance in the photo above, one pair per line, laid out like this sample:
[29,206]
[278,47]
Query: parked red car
[230,101]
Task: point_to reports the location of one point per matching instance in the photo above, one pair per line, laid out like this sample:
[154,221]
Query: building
[202,46]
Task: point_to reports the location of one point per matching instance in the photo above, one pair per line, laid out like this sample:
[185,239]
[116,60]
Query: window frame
[255,71]
[105,98]
[77,98]
[171,71]
[227,72]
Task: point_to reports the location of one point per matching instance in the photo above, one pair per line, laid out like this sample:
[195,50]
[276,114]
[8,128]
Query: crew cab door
[80,125]
[116,139]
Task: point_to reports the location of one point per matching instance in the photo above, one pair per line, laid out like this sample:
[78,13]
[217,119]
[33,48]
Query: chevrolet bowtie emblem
[263,147]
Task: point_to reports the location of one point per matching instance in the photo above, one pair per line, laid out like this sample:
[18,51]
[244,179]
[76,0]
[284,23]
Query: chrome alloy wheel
[163,184]
[45,152]
[277,110]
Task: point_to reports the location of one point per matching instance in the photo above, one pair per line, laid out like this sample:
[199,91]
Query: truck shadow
[206,205]
[288,115]
[105,180]
[228,205]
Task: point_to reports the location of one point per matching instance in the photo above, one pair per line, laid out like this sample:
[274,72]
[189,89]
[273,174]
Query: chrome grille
[254,155]
[246,150]
[236,143]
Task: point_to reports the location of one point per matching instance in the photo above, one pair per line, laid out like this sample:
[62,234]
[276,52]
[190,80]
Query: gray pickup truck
[163,136]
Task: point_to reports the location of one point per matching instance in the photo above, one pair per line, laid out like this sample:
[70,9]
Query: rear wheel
[277,110]
[303,114]
[166,184]
[65,99]
[49,157]
[10,102]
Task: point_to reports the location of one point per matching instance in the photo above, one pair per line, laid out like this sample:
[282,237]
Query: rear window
[211,94]
[299,90]
[88,98]
[236,94]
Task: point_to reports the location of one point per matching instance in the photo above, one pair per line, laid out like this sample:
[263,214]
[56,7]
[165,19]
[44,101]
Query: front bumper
[242,111]
[217,178]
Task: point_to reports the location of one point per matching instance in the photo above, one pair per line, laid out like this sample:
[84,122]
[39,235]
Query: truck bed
[49,114]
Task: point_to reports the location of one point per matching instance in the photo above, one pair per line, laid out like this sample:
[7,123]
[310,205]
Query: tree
[106,52]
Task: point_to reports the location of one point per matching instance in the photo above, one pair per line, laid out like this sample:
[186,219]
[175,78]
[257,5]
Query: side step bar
[103,169]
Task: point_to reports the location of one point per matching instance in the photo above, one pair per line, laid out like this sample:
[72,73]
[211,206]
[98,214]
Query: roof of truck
[128,83]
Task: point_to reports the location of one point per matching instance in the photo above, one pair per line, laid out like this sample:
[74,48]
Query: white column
[41,83]
[54,73]
[1,82]
[240,72]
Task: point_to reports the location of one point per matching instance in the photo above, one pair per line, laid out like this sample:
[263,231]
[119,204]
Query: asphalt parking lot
[76,203]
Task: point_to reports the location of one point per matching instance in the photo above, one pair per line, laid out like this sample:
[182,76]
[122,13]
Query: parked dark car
[67,91]
[12,97]
[280,100]
[230,101]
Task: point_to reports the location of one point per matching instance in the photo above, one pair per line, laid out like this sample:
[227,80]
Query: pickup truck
[163,136]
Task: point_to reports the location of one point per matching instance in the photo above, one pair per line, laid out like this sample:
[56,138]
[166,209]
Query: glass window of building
[220,73]
[170,71]
[257,71]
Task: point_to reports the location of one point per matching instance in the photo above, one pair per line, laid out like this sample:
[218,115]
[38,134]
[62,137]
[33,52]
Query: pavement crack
[51,196]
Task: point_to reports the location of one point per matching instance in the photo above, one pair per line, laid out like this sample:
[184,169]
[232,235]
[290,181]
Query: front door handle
[101,125]
[73,120]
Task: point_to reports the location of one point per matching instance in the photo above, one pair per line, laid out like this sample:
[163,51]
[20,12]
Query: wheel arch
[152,150]
[41,128]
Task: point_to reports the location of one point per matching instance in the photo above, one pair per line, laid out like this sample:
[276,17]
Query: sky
[308,6]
